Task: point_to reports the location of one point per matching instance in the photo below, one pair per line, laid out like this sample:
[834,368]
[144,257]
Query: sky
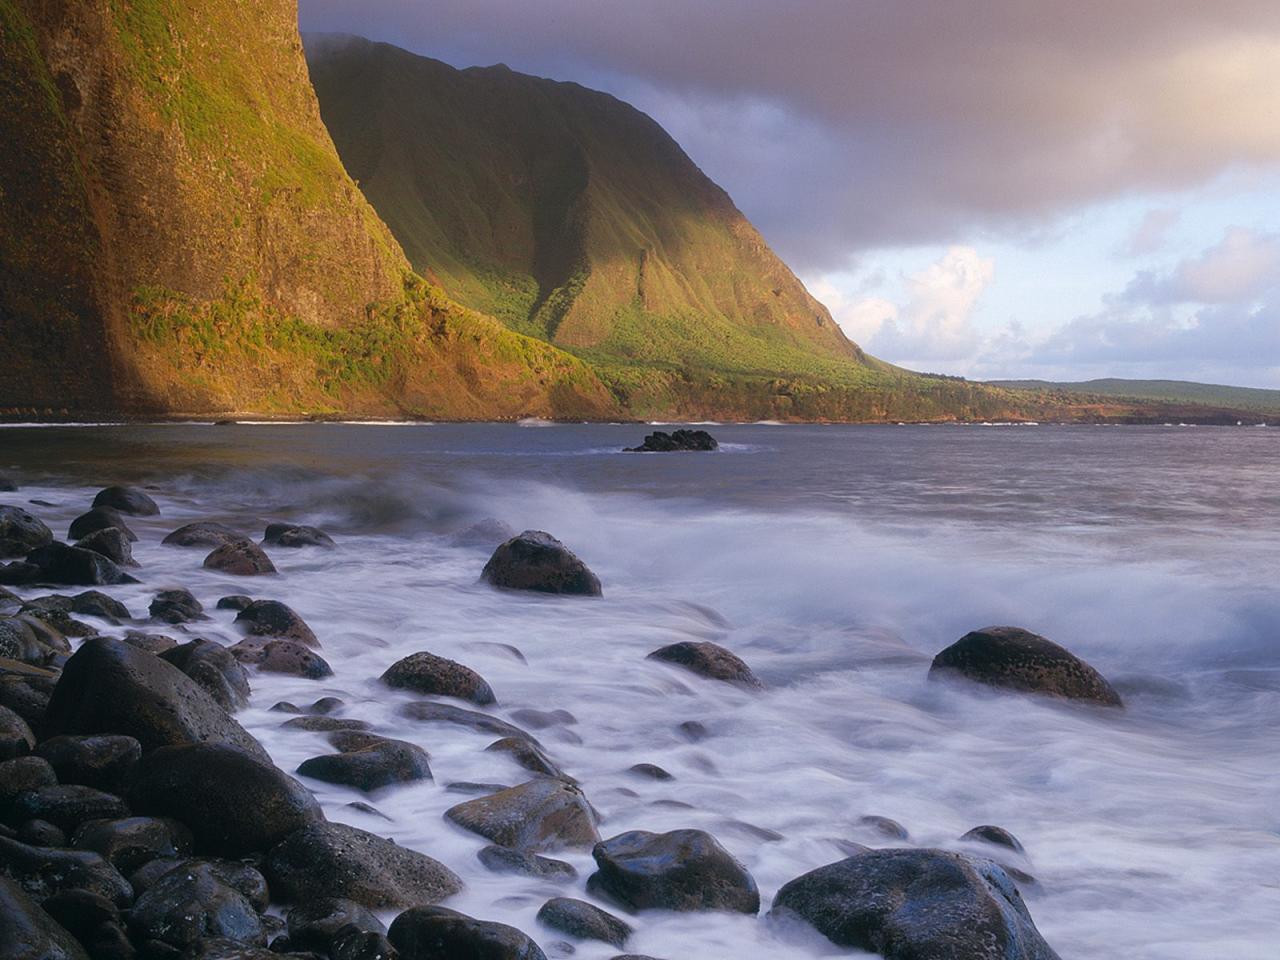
[988,188]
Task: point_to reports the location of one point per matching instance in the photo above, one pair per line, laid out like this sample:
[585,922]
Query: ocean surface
[836,561]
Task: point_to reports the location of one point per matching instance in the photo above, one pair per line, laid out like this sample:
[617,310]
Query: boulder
[19,572]
[424,672]
[18,641]
[234,803]
[112,543]
[94,921]
[535,560]
[150,642]
[235,601]
[649,771]
[884,826]
[28,932]
[370,767]
[129,843]
[709,660]
[95,603]
[202,534]
[193,903]
[506,860]
[322,724]
[1015,659]
[584,921]
[527,754]
[296,535]
[315,924]
[66,806]
[19,776]
[683,870]
[213,667]
[16,738]
[997,836]
[437,933]
[41,833]
[43,872]
[536,816]
[59,563]
[99,518]
[428,711]
[25,689]
[916,905]
[271,618]
[21,532]
[243,558]
[293,659]
[129,500]
[236,874]
[176,606]
[357,945]
[678,441]
[335,860]
[109,686]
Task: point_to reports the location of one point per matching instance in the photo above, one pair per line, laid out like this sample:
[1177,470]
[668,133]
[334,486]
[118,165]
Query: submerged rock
[372,766]
[203,533]
[176,606]
[916,905]
[293,659]
[242,558]
[540,815]
[998,836]
[535,560]
[296,535]
[683,870]
[584,921]
[271,618]
[677,441]
[425,672]
[709,660]
[507,860]
[1016,659]
[127,500]
[437,933]
[429,711]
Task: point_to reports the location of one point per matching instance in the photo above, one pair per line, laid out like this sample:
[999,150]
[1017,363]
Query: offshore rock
[99,518]
[537,561]
[679,441]
[203,533]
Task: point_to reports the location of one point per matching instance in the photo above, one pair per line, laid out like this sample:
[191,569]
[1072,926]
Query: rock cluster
[678,441]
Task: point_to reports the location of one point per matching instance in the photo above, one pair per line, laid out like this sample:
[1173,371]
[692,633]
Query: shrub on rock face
[535,560]
[20,532]
[535,816]
[424,672]
[127,500]
[242,558]
[682,870]
[916,905]
[709,660]
[234,803]
[1016,659]
[437,933]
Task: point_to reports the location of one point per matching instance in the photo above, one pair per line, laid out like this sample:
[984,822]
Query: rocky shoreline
[139,819]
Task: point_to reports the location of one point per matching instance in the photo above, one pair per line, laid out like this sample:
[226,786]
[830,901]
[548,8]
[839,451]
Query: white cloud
[1151,232]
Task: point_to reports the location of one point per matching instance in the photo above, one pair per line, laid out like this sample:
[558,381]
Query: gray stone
[540,815]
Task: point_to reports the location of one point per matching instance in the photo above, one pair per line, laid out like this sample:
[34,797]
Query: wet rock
[19,572]
[67,806]
[233,802]
[193,903]
[334,860]
[471,788]
[110,687]
[682,870]
[325,705]
[129,843]
[238,875]
[236,601]
[41,833]
[243,558]
[362,946]
[113,543]
[59,563]
[427,673]
[21,532]
[149,642]
[296,535]
[1015,659]
[649,771]
[428,711]
[437,933]
[94,603]
[998,836]
[99,518]
[315,924]
[542,719]
[293,659]
[535,816]
[371,767]
[224,948]
[528,755]
[916,905]
[324,724]
[25,689]
[678,441]
[129,500]
[584,921]
[16,738]
[28,932]
[20,775]
[176,606]
[203,533]
[535,560]
[44,871]
[18,641]
[506,860]
[9,600]
[271,618]
[891,829]
[94,921]
[709,660]
[213,667]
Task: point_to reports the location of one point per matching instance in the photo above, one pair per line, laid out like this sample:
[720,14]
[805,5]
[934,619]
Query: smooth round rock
[129,500]
[213,667]
[437,933]
[99,518]
[296,535]
[20,775]
[380,764]
[997,836]
[540,815]
[28,932]
[202,533]
[506,860]
[315,924]
[235,601]
[113,543]
[176,606]
[429,711]
[584,921]
[242,558]
[709,660]
[44,872]
[193,903]
[73,566]
[293,659]
[129,843]
[67,806]
[271,618]
[16,738]
[535,560]
[683,870]
[427,673]
[21,532]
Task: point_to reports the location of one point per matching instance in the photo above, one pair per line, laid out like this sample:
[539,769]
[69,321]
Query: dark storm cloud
[845,124]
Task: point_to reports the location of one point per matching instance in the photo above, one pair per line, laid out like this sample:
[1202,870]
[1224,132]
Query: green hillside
[1162,391]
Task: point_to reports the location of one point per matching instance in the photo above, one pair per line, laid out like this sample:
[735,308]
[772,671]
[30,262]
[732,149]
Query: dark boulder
[18,641]
[428,711]
[315,924]
[539,815]
[193,903]
[16,738]
[27,932]
[506,860]
[67,806]
[527,754]
[242,558]
[43,872]
[884,826]
[59,563]
[370,767]
[234,803]
[678,441]
[127,500]
[95,603]
[112,543]
[424,672]
[998,836]
[21,532]
[293,659]
[535,560]
[916,905]
[213,667]
[129,843]
[437,933]
[271,618]
[709,660]
[236,874]
[202,534]
[682,870]
[584,921]
[25,689]
[235,601]
[323,724]
[41,833]
[334,860]
[176,606]
[356,945]
[296,535]
[94,921]
[649,771]
[1016,659]
[20,775]
[18,573]
[110,687]
[150,642]
[99,518]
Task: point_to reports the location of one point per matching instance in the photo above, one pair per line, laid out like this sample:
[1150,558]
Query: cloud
[1243,266]
[842,125]
[1150,233]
